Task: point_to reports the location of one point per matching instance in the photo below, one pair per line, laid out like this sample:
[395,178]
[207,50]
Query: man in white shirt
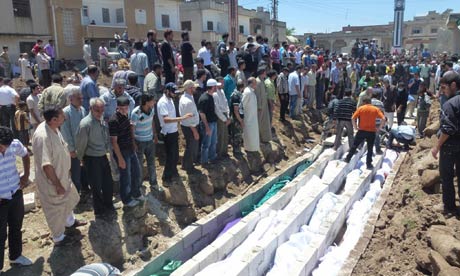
[294,90]
[87,53]
[223,114]
[168,123]
[231,50]
[32,104]
[139,63]
[8,100]
[43,62]
[205,54]
[103,56]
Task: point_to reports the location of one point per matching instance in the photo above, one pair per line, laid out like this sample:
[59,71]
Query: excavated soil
[136,236]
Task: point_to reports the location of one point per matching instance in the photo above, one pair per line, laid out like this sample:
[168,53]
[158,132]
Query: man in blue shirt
[151,50]
[229,83]
[89,87]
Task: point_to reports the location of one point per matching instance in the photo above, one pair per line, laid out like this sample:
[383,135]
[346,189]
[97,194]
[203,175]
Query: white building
[167,15]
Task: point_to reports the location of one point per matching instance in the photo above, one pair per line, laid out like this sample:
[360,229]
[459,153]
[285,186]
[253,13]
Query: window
[84,11]
[165,20]
[186,25]
[241,29]
[68,29]
[416,31]
[21,8]
[25,47]
[258,29]
[105,15]
[120,16]
[210,26]
[434,31]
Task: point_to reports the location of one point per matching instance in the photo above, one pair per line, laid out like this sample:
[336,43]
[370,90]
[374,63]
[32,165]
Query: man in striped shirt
[11,200]
[145,136]
[343,112]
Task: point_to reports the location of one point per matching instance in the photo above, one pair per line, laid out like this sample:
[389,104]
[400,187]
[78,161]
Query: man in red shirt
[366,114]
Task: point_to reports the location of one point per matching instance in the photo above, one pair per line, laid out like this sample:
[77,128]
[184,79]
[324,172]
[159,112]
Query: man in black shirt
[187,51]
[449,141]
[208,116]
[121,137]
[169,66]
[343,112]
[401,102]
[251,61]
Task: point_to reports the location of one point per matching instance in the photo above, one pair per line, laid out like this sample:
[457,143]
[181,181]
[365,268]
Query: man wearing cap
[262,107]
[5,63]
[206,107]
[168,123]
[189,126]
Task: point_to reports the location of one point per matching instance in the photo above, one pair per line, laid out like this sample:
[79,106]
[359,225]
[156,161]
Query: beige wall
[139,31]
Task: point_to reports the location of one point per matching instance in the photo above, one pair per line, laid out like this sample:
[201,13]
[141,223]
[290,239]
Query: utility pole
[233,20]
[275,34]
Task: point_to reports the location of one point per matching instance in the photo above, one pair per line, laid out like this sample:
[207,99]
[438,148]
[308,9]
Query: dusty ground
[136,236]
[402,240]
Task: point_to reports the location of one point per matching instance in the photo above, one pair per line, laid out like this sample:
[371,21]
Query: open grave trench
[304,220]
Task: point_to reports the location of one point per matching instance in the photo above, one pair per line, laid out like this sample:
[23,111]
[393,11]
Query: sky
[331,15]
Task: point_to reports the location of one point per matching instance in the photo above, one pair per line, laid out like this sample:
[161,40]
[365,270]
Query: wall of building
[167,7]
[219,19]
[243,20]
[95,12]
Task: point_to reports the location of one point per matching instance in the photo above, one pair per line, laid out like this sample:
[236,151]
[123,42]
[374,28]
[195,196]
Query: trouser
[400,116]
[339,130]
[88,60]
[411,106]
[237,136]
[188,73]
[224,63]
[130,177]
[326,84]
[208,143]
[172,154]
[222,139]
[276,67]
[191,149]
[360,137]
[328,125]
[449,159]
[45,78]
[11,216]
[169,75]
[100,181]
[319,95]
[284,103]
[104,66]
[7,117]
[377,145]
[390,117]
[23,136]
[299,104]
[147,149]
[75,172]
[311,96]
[70,220]
[292,105]
[210,70]
[422,117]
[140,82]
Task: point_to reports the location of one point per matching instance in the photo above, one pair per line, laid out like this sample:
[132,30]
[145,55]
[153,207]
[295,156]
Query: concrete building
[23,22]
[208,19]
[430,30]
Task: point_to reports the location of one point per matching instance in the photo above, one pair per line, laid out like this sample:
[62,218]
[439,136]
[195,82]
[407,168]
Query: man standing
[168,57]
[32,103]
[43,62]
[283,92]
[73,114]
[222,55]
[263,115]
[240,76]
[110,98]
[5,62]
[53,96]
[87,56]
[139,64]
[151,49]
[206,107]
[413,86]
[401,102]
[152,83]
[89,87]
[223,114]
[294,90]
[311,87]
[121,137]
[187,51]
[189,127]
[11,197]
[92,145]
[343,112]
[49,49]
[57,193]
[146,137]
[449,141]
[26,70]
[230,83]
[367,115]
[232,53]
[237,115]
[389,101]
[205,54]
[251,124]
[168,122]
[8,101]
[103,56]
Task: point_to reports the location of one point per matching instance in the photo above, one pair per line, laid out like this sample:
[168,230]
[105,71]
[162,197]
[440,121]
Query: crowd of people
[222,96]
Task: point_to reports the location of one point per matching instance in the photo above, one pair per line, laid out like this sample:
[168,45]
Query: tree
[290,31]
